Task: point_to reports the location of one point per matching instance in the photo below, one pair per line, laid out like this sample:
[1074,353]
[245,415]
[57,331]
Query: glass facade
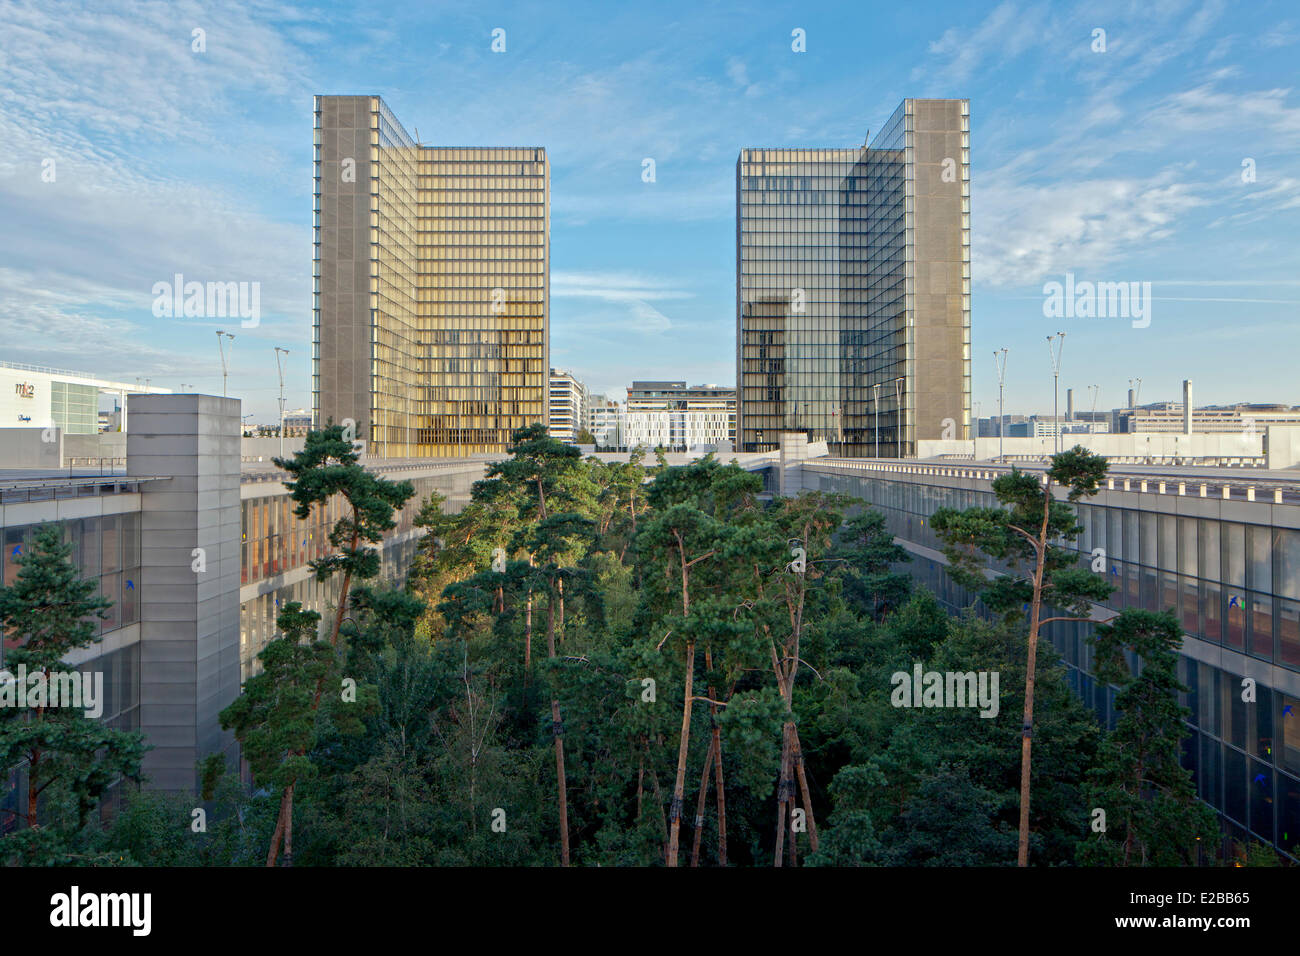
[74,408]
[106,547]
[853,287]
[1233,584]
[275,542]
[431,295]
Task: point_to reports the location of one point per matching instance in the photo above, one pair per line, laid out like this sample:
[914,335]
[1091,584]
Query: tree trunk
[784,796]
[550,625]
[803,788]
[699,806]
[288,827]
[717,763]
[557,731]
[679,787]
[562,784]
[278,835]
[33,791]
[528,628]
[1027,727]
[347,584]
[722,799]
[528,634]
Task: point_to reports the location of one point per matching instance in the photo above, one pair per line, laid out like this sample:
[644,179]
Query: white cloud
[1028,233]
[1004,34]
[612,287]
[631,293]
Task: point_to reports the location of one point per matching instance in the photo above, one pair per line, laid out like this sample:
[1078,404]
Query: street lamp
[875,402]
[898,417]
[1055,353]
[1000,360]
[280,369]
[222,347]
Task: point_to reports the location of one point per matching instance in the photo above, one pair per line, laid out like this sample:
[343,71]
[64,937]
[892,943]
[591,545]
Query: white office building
[568,405]
[32,396]
[607,422]
[676,417]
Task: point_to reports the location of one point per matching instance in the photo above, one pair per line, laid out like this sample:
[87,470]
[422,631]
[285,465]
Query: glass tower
[431,285]
[853,288]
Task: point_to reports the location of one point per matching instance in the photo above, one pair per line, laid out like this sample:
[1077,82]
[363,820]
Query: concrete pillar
[1187,406]
[189,577]
[1069,404]
[794,450]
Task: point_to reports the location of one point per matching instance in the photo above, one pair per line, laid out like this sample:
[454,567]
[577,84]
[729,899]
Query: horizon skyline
[190,163]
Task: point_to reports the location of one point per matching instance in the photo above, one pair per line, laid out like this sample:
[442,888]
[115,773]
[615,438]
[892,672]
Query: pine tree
[327,465]
[1021,538]
[51,611]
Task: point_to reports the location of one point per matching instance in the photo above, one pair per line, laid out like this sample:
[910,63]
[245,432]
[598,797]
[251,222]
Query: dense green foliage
[613,664]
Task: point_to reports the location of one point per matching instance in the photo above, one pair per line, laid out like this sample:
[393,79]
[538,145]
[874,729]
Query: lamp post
[875,402]
[1055,353]
[222,347]
[280,369]
[1000,361]
[898,417]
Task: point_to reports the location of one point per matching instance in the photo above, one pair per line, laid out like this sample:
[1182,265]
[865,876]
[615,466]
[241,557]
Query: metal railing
[1272,490]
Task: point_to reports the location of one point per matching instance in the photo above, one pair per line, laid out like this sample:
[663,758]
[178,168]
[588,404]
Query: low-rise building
[676,417]
[568,405]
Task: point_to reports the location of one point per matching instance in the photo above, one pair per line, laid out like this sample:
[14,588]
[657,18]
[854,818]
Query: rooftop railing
[1272,490]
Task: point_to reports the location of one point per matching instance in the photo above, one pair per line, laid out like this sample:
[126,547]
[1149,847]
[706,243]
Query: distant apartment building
[1169,417]
[568,405]
[297,424]
[995,425]
[432,285]
[676,417]
[607,422]
[853,287]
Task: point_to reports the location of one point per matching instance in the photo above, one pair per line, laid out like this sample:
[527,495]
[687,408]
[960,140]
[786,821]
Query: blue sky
[1122,165]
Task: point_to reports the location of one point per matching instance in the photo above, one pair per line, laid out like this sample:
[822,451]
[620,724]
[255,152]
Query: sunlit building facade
[568,400]
[432,285]
[853,287]
[678,417]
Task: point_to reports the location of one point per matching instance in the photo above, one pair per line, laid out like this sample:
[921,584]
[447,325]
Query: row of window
[1231,583]
[106,548]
